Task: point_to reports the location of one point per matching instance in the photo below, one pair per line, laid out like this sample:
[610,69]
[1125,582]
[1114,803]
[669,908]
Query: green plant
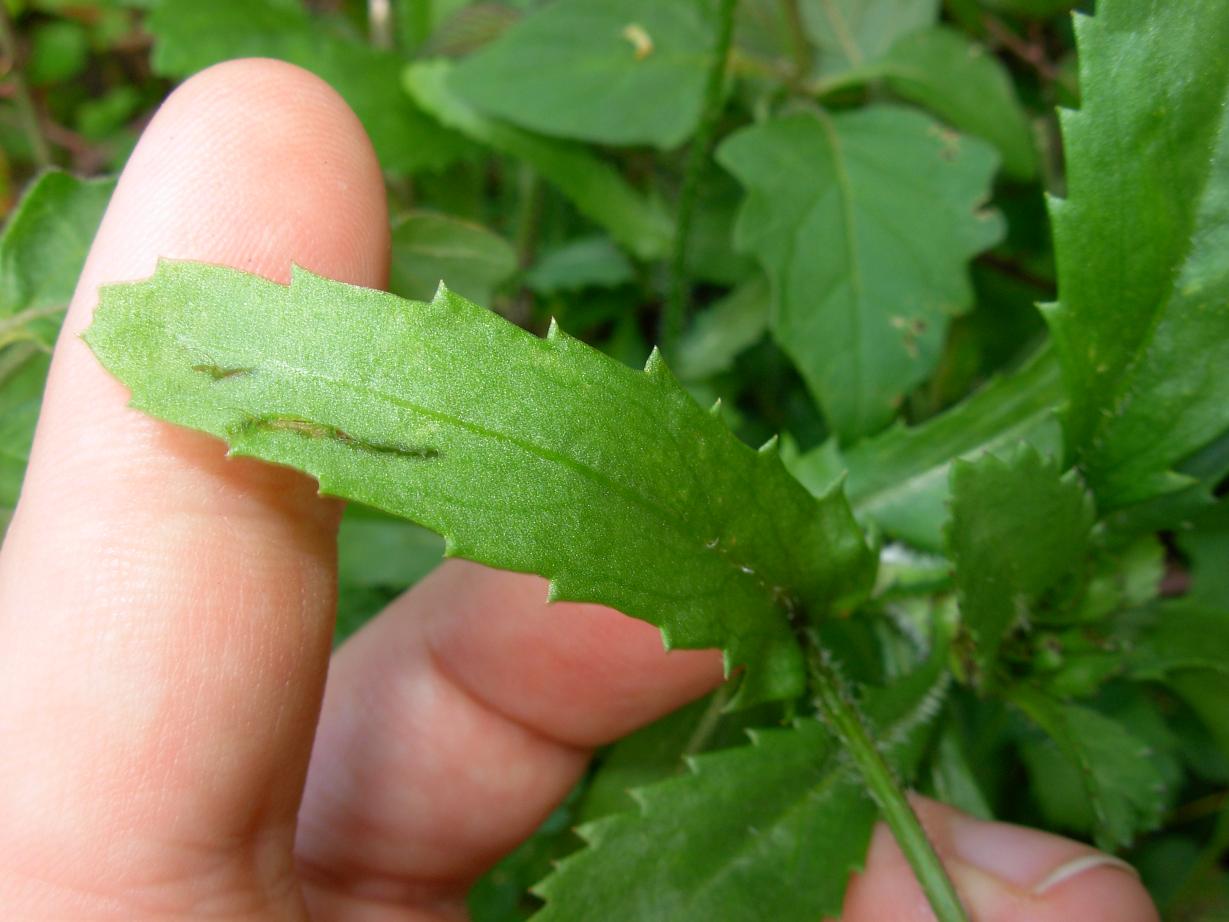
[986,546]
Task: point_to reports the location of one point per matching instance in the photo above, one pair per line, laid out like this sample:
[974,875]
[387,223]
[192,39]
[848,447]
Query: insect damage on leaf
[308,429]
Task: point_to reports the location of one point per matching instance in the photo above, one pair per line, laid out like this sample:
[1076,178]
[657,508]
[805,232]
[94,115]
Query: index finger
[165,612]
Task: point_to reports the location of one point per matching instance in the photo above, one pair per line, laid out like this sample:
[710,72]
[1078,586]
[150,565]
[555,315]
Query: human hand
[166,618]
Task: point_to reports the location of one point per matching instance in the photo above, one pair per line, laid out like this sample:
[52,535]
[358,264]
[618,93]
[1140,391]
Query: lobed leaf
[962,83]
[864,222]
[1142,323]
[542,456]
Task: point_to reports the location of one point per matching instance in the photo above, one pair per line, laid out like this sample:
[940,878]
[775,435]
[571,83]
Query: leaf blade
[534,455]
[1141,326]
[841,212]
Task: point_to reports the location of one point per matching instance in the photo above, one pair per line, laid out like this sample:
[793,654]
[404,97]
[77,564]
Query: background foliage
[867,238]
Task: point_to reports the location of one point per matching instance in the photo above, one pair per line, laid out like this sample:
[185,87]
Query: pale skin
[169,749]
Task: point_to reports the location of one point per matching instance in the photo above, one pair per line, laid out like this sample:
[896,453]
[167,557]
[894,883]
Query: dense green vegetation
[953,278]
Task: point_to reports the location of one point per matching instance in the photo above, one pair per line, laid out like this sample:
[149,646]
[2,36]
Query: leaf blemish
[312,430]
[218,373]
[641,41]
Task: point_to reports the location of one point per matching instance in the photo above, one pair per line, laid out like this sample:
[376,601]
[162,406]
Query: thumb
[1003,873]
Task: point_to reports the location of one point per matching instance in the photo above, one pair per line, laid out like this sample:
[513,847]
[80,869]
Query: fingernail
[1078,866]
[1030,860]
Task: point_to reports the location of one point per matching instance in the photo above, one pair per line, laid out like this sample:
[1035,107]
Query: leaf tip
[772,447]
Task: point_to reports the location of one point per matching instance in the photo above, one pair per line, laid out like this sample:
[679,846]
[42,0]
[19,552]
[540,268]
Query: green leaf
[850,34]
[583,262]
[606,71]
[1018,527]
[953,778]
[533,455]
[1205,691]
[597,189]
[1206,546]
[1122,782]
[899,479]
[59,51]
[1181,635]
[429,248]
[658,751]
[21,396]
[767,831]
[723,330]
[42,250]
[864,222]
[962,83]
[189,36]
[1142,327]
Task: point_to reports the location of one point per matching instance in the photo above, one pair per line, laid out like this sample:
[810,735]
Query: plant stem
[675,315]
[21,92]
[838,707]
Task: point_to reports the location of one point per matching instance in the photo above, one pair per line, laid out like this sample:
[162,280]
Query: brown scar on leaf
[311,430]
[218,373]
[949,141]
[911,328]
[641,41]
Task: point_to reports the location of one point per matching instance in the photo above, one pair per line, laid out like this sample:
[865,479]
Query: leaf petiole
[835,702]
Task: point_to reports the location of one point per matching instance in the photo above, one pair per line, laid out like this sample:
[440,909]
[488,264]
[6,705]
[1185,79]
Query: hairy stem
[675,315]
[837,705]
[26,113]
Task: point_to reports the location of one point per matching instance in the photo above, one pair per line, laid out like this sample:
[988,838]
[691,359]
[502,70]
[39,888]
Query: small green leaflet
[605,71]
[864,222]
[1142,327]
[190,35]
[535,455]
[429,247]
[1018,527]
[767,831]
[959,81]
[899,478]
[597,189]
[850,34]
[1125,789]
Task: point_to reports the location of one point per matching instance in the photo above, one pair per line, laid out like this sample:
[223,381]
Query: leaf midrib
[585,471]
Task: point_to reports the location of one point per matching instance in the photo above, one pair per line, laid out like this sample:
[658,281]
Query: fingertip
[255,164]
